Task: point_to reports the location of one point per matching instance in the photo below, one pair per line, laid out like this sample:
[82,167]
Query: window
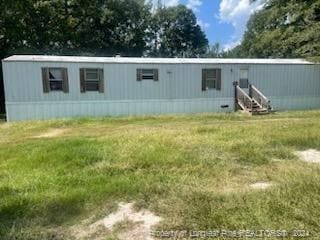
[147,74]
[211,79]
[55,79]
[91,79]
[244,78]
[244,83]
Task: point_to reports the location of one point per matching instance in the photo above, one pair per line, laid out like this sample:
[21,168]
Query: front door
[244,79]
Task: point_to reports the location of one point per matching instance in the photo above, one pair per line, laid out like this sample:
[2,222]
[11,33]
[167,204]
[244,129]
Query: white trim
[77,59]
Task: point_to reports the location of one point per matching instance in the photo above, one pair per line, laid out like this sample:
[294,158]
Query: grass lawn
[193,171]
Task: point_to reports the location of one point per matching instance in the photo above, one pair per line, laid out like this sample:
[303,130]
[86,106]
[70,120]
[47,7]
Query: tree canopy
[176,33]
[283,29]
[74,26]
[98,27]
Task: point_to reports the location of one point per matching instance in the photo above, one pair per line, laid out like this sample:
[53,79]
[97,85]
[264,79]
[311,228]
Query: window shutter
[139,74]
[218,82]
[156,74]
[101,81]
[244,83]
[204,77]
[82,80]
[45,80]
[65,80]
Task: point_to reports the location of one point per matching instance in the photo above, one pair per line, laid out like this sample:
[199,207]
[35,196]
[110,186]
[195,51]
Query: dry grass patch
[52,133]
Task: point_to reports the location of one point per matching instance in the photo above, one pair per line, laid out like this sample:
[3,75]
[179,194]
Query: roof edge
[142,60]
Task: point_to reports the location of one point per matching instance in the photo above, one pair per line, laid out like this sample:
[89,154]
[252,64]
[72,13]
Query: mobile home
[45,87]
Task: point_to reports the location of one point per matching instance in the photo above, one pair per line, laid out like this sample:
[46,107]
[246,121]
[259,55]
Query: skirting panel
[66,109]
[295,103]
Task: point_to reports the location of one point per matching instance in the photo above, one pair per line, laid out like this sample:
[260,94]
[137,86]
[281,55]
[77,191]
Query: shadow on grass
[2,118]
[47,203]
[21,215]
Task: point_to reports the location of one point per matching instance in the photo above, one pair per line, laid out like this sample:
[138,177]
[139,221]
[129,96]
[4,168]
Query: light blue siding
[59,109]
[177,91]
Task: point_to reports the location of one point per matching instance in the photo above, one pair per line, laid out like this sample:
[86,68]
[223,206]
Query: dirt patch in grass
[125,224]
[52,133]
[310,156]
[261,185]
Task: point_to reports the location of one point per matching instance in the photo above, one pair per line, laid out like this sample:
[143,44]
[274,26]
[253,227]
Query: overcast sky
[224,21]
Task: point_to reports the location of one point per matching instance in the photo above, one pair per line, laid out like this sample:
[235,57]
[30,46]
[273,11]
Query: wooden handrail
[260,93]
[243,99]
[254,102]
[259,97]
[243,92]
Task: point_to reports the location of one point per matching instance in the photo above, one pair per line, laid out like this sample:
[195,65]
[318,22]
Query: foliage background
[283,29]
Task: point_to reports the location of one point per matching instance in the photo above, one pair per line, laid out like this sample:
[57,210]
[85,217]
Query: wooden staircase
[254,103]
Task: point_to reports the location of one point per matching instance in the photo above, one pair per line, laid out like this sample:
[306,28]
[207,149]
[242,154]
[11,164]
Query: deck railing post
[235,84]
[251,107]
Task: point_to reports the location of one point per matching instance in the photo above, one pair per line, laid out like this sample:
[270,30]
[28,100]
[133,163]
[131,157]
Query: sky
[224,21]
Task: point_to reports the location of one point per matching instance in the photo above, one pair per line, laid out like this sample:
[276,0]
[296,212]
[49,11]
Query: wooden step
[259,110]
[261,113]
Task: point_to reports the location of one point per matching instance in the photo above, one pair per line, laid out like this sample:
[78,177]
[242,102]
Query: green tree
[112,26]
[175,33]
[99,27]
[214,51]
[283,29]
